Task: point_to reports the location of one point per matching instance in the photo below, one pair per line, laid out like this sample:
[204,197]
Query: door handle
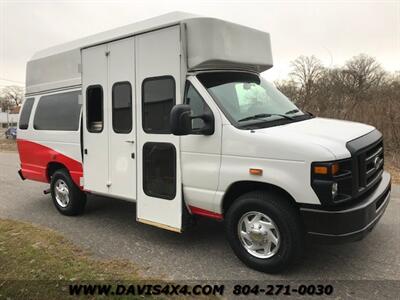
[130,142]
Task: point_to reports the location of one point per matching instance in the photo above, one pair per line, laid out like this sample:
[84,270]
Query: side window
[197,104]
[158,98]
[58,112]
[26,113]
[122,107]
[159,170]
[94,109]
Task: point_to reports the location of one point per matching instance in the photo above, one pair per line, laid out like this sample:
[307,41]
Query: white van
[171,113]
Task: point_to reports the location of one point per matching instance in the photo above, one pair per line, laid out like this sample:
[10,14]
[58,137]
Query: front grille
[374,163]
[368,159]
[370,165]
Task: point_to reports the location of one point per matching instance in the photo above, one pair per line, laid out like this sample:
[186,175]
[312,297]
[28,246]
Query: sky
[334,31]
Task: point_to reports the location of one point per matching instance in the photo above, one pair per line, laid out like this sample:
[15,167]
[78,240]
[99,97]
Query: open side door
[159,188]
[95,119]
[109,126]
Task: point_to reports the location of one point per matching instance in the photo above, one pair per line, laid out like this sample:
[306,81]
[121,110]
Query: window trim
[29,116]
[174,171]
[142,102]
[102,107]
[112,106]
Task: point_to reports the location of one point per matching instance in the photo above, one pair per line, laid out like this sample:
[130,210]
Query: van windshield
[247,99]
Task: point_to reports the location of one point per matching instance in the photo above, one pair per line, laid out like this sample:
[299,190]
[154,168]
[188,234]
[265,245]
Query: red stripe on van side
[205,213]
[35,158]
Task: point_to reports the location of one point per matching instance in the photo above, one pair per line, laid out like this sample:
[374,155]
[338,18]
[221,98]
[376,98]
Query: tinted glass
[58,112]
[122,107]
[94,108]
[197,104]
[26,113]
[158,96]
[159,170]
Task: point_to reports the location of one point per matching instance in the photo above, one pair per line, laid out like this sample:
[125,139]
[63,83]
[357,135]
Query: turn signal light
[324,170]
[321,170]
[257,172]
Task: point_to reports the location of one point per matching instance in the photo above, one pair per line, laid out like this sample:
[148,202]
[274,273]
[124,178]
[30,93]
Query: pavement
[108,230]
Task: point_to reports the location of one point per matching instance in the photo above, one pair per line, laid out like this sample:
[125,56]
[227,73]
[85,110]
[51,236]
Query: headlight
[332,181]
[334,190]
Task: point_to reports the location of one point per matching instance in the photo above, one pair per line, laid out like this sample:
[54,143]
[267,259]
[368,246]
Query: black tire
[286,219]
[77,198]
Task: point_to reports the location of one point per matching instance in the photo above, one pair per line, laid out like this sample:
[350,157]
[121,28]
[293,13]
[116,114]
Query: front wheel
[67,197]
[264,231]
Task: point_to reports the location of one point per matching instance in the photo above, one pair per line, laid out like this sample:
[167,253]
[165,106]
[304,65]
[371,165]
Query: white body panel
[201,160]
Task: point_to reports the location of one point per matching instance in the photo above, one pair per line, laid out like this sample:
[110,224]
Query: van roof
[117,33]
[209,44]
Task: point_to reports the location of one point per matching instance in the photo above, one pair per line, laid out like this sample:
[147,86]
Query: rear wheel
[67,197]
[264,231]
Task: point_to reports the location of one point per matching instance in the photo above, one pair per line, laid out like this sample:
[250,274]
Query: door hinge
[79,68]
[108,183]
[107,53]
[80,99]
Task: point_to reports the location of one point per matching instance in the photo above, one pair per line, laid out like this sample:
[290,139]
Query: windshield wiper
[293,111]
[261,116]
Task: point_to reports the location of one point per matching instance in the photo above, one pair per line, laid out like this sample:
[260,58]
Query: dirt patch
[392,165]
[8,145]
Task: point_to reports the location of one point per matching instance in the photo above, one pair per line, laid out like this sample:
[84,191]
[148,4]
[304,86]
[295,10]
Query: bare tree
[288,88]
[363,72]
[11,96]
[306,71]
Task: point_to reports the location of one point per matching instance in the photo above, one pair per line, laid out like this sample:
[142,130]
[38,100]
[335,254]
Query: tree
[11,96]
[362,72]
[306,71]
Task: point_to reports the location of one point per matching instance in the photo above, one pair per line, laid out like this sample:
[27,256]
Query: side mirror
[181,121]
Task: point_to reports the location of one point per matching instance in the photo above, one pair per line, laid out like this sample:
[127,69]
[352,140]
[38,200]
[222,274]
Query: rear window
[26,113]
[58,112]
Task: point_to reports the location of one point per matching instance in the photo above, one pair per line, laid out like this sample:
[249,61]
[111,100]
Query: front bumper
[351,223]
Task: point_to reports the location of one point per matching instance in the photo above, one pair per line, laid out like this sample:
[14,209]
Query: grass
[38,263]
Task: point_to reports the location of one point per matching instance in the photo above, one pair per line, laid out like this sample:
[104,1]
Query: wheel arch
[52,167]
[238,188]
